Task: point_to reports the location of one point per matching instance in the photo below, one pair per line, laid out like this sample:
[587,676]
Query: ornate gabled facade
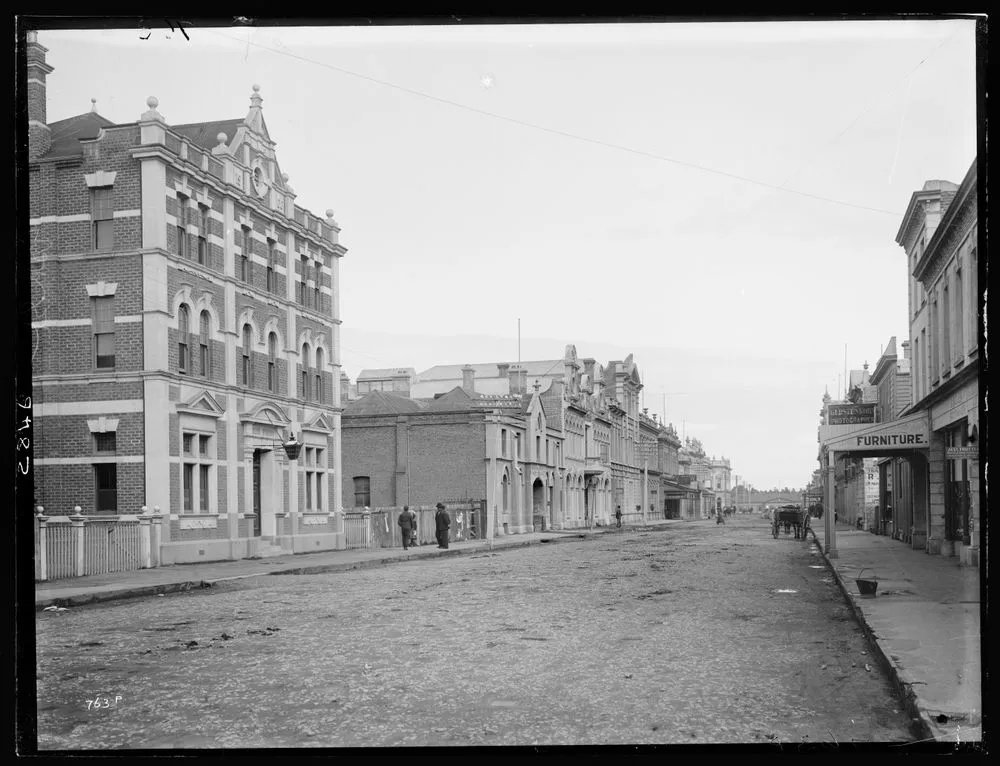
[186,321]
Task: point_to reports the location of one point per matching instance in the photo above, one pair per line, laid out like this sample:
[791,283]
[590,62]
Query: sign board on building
[895,436]
[849,414]
[961,453]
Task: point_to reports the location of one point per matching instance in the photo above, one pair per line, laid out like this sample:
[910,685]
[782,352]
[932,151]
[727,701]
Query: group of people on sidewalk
[408,526]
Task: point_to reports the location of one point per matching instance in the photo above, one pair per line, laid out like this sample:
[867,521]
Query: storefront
[902,448]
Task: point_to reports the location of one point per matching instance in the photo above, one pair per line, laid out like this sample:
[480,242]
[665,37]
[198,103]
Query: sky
[718,199]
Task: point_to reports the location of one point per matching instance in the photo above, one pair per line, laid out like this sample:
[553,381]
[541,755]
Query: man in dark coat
[407,526]
[618,515]
[442,523]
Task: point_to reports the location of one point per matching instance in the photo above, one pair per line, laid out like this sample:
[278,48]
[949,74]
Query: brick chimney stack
[469,379]
[39,134]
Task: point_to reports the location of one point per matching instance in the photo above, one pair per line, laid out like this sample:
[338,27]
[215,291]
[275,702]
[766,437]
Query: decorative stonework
[103,425]
[315,520]
[101,178]
[101,289]
[199,522]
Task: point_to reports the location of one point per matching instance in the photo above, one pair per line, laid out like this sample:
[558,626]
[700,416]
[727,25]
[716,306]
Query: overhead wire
[556,131]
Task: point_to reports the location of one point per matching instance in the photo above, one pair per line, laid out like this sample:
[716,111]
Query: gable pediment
[268,413]
[202,404]
[322,422]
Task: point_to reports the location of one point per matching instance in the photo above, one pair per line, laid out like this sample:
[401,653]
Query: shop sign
[961,453]
[911,432]
[850,414]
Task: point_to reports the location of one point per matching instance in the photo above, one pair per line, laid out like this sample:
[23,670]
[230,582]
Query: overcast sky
[719,199]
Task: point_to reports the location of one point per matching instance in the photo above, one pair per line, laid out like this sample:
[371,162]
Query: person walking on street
[442,522]
[618,515]
[408,527]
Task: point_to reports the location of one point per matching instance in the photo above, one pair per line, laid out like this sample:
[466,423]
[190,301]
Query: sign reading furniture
[907,433]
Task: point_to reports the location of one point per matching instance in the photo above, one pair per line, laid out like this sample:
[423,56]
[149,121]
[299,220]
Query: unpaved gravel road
[693,633]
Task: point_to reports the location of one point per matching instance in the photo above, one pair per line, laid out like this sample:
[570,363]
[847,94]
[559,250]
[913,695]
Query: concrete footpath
[923,622]
[77,591]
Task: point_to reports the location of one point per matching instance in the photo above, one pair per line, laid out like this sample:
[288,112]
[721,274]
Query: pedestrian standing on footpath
[618,515]
[408,527]
[442,522]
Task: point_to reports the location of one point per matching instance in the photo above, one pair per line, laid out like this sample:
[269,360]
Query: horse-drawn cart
[790,518]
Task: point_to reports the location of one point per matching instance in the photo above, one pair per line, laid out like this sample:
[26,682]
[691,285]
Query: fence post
[144,542]
[43,543]
[78,520]
[156,536]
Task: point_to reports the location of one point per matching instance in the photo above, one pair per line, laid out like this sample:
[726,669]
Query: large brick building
[185,315]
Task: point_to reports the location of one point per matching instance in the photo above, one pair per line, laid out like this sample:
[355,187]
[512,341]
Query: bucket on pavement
[867,585]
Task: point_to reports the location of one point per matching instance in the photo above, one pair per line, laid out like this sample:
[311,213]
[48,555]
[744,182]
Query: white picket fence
[78,545]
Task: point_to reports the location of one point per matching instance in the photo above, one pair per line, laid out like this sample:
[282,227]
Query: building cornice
[948,230]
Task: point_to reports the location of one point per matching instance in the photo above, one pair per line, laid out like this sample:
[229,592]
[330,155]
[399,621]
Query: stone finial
[256,99]
[222,138]
[284,177]
[329,213]
[152,102]
[93,104]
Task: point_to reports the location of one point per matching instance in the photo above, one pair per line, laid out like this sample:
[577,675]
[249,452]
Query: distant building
[390,380]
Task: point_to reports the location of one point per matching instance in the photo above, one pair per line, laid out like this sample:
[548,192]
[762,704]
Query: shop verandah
[902,449]
[920,502]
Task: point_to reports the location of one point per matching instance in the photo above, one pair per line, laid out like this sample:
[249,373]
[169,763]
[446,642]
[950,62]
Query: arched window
[183,332]
[205,328]
[247,360]
[319,375]
[318,281]
[272,279]
[272,352]
[304,360]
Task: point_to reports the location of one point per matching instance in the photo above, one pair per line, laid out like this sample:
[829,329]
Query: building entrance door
[256,492]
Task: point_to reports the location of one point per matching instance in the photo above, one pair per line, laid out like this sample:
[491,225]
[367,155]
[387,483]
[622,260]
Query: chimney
[469,379]
[518,377]
[906,349]
[502,368]
[39,134]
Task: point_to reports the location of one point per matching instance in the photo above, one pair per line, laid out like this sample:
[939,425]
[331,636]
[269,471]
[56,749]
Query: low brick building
[460,446]
[185,315]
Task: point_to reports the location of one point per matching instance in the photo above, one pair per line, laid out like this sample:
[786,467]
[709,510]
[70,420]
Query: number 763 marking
[104,702]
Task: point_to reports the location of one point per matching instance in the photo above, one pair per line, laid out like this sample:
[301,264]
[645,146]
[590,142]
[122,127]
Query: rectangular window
[303,288]
[189,487]
[106,486]
[246,366]
[202,234]
[104,332]
[309,477]
[304,393]
[271,377]
[319,479]
[319,281]
[188,440]
[319,387]
[102,214]
[182,354]
[362,491]
[503,442]
[203,487]
[203,440]
[959,315]
[203,349]
[182,219]
[105,441]
[272,282]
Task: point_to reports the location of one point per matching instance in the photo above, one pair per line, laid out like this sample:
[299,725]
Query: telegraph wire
[557,132]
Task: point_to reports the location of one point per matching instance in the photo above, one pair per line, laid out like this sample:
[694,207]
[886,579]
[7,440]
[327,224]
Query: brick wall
[446,461]
[369,451]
